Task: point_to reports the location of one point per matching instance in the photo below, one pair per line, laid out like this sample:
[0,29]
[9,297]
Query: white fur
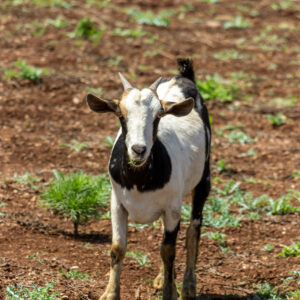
[142,110]
[184,139]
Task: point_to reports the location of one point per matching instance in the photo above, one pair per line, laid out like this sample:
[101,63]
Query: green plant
[113,62]
[250,152]
[109,141]
[130,33]
[267,291]
[53,3]
[94,90]
[282,5]
[230,54]
[59,22]
[239,136]
[139,256]
[74,274]
[268,247]
[148,18]
[221,166]
[292,250]
[77,196]
[75,145]
[276,120]
[186,211]
[103,3]
[184,9]
[296,174]
[237,22]
[27,178]
[217,88]
[87,29]
[18,292]
[210,1]
[282,206]
[217,236]
[289,101]
[26,71]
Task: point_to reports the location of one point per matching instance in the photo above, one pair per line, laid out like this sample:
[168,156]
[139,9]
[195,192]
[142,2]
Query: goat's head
[139,112]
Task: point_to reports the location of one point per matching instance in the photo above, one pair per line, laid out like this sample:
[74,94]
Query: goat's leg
[168,252]
[200,194]
[119,219]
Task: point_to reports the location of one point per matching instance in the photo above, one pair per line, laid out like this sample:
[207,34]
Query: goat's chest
[146,207]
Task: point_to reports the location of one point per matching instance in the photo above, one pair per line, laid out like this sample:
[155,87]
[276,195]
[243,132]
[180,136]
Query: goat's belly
[142,212]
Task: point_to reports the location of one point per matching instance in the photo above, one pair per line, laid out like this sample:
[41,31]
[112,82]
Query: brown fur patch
[117,254]
[123,108]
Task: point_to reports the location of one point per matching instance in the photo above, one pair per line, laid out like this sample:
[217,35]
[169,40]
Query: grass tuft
[148,18]
[18,292]
[217,88]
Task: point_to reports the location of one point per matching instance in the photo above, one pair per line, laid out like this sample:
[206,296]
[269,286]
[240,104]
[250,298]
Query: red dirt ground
[35,118]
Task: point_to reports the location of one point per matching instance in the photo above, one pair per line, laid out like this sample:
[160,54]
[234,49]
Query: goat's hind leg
[200,194]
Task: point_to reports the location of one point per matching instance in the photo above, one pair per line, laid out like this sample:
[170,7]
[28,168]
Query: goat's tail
[185,68]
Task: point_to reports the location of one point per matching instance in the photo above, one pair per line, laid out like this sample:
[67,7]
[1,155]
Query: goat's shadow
[254,296]
[93,238]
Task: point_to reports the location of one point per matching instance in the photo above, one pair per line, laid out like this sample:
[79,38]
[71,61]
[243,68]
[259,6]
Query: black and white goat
[156,160]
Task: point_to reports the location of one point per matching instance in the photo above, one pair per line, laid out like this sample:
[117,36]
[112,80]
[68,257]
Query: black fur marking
[153,175]
[185,68]
[169,243]
[201,192]
[171,236]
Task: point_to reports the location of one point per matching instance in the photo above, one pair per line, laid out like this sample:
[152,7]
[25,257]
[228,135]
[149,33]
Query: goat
[158,158]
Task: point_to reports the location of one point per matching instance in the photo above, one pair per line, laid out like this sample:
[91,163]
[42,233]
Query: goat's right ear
[102,105]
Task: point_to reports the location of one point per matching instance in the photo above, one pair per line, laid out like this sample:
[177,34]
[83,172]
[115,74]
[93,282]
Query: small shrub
[237,22]
[87,29]
[74,274]
[217,236]
[139,256]
[282,206]
[59,22]
[148,18]
[109,141]
[129,33]
[268,247]
[239,136]
[77,196]
[19,292]
[292,250]
[25,71]
[276,120]
[75,145]
[216,88]
[27,178]
[53,3]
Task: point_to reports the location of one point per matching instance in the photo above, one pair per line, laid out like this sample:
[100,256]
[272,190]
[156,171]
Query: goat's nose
[139,149]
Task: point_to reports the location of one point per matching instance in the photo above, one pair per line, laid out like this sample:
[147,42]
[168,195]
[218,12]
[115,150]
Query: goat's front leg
[119,219]
[168,252]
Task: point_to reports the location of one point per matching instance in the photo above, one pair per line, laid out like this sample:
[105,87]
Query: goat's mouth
[137,162]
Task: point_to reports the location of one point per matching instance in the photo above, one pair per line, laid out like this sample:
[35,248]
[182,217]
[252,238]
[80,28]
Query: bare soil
[35,118]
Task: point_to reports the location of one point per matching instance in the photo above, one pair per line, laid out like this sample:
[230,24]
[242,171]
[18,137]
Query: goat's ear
[101,105]
[178,109]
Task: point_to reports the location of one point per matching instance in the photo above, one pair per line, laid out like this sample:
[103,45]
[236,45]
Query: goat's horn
[155,84]
[125,82]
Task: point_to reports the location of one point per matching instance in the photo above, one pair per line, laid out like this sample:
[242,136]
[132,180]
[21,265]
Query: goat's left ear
[178,109]
[101,105]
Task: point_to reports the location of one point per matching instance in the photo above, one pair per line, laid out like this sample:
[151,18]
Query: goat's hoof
[158,282]
[170,292]
[110,296]
[189,288]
